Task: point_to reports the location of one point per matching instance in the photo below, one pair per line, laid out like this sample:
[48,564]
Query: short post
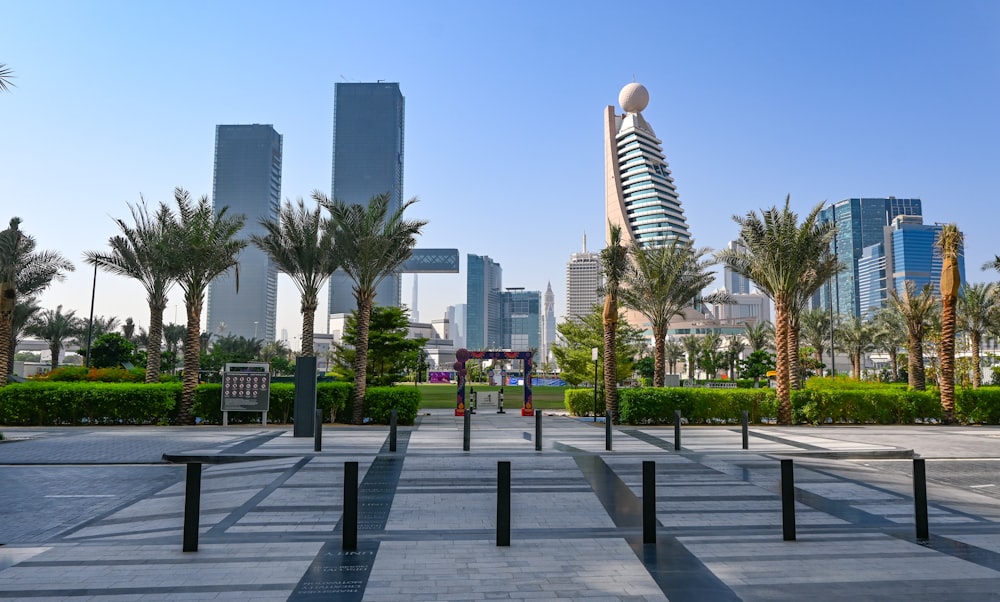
[467,435]
[500,401]
[349,520]
[503,503]
[677,430]
[787,500]
[746,430]
[538,430]
[393,417]
[607,430]
[648,501]
[192,507]
[920,498]
[318,431]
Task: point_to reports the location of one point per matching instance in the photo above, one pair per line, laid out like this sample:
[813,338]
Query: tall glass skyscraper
[484,280]
[915,255]
[368,129]
[521,323]
[248,181]
[640,195]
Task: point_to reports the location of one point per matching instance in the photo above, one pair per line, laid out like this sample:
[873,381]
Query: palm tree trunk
[659,363]
[308,327]
[611,361]
[916,363]
[783,365]
[894,360]
[153,348]
[192,361]
[361,360]
[6,355]
[793,354]
[54,349]
[947,352]
[977,371]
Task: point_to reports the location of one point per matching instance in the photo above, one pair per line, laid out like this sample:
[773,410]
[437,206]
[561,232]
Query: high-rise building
[915,255]
[368,129]
[640,195]
[733,282]
[583,281]
[248,182]
[456,315]
[484,281]
[521,320]
[548,325]
[860,223]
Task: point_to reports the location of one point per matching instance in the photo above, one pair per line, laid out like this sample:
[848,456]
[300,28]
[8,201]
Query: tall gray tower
[248,181]
[548,325]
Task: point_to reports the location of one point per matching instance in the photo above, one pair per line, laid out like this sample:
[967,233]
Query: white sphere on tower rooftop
[633,98]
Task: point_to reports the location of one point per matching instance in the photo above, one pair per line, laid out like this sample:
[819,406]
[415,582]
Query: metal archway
[463,355]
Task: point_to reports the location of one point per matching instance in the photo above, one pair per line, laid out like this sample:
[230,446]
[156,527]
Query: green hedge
[698,406]
[866,405]
[330,397]
[379,402]
[89,403]
[980,405]
[580,402]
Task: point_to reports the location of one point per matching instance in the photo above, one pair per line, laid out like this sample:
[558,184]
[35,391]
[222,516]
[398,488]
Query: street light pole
[90,329]
[593,356]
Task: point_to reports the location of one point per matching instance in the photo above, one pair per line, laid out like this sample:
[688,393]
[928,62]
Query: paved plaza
[97,514]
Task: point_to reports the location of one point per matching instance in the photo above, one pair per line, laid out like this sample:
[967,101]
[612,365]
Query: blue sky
[753,101]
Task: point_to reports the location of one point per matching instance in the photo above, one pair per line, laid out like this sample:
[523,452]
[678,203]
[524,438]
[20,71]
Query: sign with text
[246,388]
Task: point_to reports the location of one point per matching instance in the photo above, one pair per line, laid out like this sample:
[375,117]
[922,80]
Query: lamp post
[834,282]
[90,328]
[593,356]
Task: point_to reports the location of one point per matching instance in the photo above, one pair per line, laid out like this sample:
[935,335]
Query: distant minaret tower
[548,323]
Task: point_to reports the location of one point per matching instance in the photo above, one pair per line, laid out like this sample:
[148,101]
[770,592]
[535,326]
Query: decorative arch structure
[463,355]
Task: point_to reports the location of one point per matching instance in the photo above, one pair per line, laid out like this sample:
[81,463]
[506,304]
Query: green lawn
[443,396]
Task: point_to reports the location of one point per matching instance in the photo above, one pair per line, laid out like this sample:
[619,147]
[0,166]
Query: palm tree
[889,335]
[815,330]
[143,252]
[916,310]
[55,328]
[203,245]
[734,349]
[709,357]
[23,312]
[5,76]
[673,351]
[855,338]
[692,350]
[949,244]
[371,244]
[299,244]
[659,284]
[24,272]
[759,335]
[778,255]
[615,265]
[978,314]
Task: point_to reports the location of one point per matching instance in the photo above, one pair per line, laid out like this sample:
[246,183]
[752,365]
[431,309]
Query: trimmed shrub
[869,404]
[90,403]
[105,375]
[380,401]
[980,405]
[579,402]
[698,406]
[330,397]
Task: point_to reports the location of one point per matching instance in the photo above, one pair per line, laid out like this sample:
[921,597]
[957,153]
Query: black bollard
[503,503]
[318,432]
[192,507]
[920,498]
[393,417]
[648,501]
[607,430]
[677,430]
[787,500]
[538,430]
[467,436]
[746,430]
[349,520]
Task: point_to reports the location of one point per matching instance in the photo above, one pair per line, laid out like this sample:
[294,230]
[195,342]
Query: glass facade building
[915,255]
[484,281]
[247,181]
[521,321]
[368,126]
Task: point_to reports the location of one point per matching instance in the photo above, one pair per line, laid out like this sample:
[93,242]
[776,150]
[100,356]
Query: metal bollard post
[648,501]
[349,520]
[677,430]
[393,417]
[192,507]
[467,436]
[920,498]
[318,431]
[607,430]
[787,500]
[746,430]
[503,503]
[538,430]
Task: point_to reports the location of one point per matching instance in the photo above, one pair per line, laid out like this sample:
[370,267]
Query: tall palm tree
[734,349]
[203,246]
[301,246]
[759,335]
[24,272]
[889,335]
[55,328]
[692,351]
[916,310]
[614,265]
[6,75]
[673,351]
[659,284]
[978,314]
[709,357]
[949,244]
[777,254]
[815,330]
[23,312]
[855,338]
[371,243]
[142,251]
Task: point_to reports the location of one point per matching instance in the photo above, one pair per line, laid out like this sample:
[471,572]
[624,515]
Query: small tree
[112,350]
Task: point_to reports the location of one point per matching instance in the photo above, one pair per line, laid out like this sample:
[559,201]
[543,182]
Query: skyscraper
[640,195]
[368,129]
[548,325]
[248,182]
[915,255]
[521,320]
[484,281]
[583,280]
[734,283]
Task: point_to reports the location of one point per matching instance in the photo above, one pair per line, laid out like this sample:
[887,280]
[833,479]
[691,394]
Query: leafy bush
[579,402]
[980,405]
[106,375]
[866,404]
[330,397]
[379,402]
[75,403]
[698,406]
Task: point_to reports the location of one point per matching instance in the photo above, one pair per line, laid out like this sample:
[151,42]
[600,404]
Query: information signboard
[246,388]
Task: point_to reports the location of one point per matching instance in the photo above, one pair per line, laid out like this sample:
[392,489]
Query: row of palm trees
[194,243]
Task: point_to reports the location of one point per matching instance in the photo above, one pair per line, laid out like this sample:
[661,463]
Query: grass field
[443,396]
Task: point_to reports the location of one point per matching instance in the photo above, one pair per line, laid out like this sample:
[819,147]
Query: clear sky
[753,101]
